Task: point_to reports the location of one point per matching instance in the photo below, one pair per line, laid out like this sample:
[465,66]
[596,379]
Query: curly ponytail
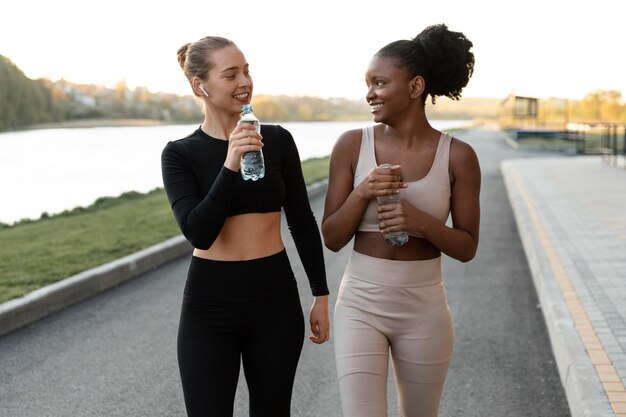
[440,56]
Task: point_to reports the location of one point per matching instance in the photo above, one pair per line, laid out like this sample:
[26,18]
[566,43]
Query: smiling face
[388,89]
[229,82]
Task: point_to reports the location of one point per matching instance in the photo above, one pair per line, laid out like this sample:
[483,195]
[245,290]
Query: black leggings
[240,312]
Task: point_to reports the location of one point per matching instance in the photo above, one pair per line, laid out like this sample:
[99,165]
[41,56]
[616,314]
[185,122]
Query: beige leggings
[399,308]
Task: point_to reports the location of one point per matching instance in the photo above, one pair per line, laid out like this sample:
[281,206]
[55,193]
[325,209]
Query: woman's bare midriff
[246,236]
[373,244]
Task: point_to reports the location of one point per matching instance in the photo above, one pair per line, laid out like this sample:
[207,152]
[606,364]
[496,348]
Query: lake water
[51,170]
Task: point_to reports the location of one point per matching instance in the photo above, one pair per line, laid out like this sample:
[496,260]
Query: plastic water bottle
[393,238]
[252,163]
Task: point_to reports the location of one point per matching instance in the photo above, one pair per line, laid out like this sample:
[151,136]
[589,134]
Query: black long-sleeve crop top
[203,192]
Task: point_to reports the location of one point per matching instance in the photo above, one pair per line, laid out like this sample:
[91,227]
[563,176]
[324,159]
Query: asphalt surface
[114,353]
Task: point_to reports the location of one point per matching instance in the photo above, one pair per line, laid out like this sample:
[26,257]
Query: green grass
[315,169]
[35,253]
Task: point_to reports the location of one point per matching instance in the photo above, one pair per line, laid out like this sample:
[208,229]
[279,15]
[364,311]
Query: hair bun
[182,55]
[448,58]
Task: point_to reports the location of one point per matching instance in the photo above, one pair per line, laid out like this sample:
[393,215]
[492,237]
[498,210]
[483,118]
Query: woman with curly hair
[392,301]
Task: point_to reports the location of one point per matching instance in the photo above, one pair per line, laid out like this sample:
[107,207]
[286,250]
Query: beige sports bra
[430,194]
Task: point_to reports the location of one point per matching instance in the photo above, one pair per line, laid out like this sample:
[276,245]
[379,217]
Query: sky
[541,48]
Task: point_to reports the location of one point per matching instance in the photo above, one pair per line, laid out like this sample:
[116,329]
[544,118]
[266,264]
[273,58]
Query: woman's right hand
[241,140]
[382,180]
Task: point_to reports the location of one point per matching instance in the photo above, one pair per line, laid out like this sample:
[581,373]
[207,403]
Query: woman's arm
[306,236]
[346,204]
[299,215]
[200,218]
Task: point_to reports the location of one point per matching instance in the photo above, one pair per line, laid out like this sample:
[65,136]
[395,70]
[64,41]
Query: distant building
[519,111]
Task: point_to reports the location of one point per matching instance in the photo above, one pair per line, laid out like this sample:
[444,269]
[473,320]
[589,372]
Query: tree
[23,101]
[602,105]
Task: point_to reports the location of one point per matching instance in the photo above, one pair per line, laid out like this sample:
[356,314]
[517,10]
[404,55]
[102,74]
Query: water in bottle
[393,238]
[252,163]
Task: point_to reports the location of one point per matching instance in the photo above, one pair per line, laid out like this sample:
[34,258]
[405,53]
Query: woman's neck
[219,126]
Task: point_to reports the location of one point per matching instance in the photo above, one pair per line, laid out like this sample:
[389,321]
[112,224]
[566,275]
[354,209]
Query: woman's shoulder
[460,148]
[275,130]
[351,135]
[348,142]
[185,141]
[187,146]
[462,155]
[276,134]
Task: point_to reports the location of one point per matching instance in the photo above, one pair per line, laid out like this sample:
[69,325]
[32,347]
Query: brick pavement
[571,214]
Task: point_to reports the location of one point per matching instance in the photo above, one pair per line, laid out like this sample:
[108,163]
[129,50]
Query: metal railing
[611,144]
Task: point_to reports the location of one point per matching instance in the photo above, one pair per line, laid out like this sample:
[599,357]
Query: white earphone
[203,90]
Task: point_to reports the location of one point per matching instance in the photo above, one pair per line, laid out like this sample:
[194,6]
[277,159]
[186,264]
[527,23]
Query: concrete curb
[24,310]
[584,390]
[44,301]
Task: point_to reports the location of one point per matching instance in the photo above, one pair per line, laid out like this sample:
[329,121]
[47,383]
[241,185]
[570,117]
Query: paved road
[114,354]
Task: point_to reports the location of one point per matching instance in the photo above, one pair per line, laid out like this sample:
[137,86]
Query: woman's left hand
[392,217]
[318,320]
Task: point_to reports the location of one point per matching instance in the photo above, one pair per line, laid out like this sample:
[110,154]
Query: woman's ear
[416,86]
[198,88]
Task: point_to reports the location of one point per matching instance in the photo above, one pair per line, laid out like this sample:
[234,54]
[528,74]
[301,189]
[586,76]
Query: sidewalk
[571,216]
